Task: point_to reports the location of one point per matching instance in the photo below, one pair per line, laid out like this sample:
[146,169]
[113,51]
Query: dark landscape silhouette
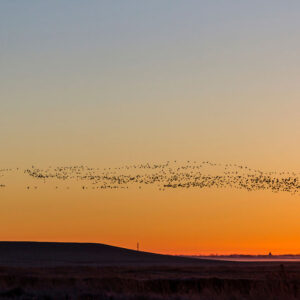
[34,270]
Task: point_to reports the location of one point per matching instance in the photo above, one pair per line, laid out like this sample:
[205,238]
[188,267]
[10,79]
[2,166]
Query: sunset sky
[110,83]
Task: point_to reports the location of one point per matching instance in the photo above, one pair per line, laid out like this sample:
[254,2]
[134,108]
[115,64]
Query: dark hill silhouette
[53,254]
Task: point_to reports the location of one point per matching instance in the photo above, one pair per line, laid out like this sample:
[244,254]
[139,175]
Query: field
[161,277]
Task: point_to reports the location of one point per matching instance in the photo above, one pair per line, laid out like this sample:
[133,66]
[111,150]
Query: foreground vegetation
[249,282]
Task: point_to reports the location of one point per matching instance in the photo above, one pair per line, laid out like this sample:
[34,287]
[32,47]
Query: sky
[110,83]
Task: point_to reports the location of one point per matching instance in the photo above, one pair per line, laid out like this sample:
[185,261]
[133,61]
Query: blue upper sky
[153,74]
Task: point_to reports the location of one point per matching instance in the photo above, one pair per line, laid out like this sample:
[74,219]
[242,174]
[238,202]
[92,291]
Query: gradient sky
[107,83]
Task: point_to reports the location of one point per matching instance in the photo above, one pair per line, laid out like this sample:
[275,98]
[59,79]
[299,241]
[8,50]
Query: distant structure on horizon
[270,253]
[138,246]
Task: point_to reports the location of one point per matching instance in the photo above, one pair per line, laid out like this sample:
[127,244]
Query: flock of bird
[169,175]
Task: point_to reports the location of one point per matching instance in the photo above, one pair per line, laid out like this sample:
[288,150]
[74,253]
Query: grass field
[231,281]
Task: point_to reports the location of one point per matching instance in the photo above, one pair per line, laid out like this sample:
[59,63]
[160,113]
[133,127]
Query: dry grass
[235,282]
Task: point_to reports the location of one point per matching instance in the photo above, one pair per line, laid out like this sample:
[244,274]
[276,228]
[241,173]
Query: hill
[54,254]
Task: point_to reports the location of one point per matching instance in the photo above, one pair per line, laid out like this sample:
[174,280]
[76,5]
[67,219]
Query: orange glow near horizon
[189,222]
